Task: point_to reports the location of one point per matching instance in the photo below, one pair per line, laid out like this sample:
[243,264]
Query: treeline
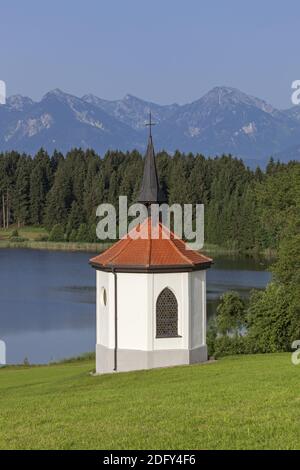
[244,209]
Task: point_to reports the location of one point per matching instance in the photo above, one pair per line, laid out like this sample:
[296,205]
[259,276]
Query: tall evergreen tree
[21,201]
[59,199]
[40,179]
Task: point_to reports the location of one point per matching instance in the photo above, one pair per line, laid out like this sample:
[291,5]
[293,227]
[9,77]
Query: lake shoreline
[55,246]
[99,247]
[37,238]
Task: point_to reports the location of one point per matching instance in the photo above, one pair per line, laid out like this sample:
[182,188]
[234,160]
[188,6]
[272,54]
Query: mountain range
[225,120]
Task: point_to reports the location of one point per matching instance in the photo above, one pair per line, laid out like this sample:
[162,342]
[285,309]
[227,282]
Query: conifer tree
[74,218]
[21,201]
[59,199]
[39,186]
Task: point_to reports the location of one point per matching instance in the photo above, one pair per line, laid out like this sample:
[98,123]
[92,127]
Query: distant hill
[225,120]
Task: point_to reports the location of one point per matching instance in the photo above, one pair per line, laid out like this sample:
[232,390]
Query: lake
[47,300]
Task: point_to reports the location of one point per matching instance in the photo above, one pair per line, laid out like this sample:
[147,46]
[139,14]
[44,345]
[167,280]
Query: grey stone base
[129,359]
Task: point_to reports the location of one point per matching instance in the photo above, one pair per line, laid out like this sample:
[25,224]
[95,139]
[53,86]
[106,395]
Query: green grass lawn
[249,402]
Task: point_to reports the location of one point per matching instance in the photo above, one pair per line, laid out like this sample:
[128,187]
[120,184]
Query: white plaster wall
[137,295]
[105,314]
[198,309]
[204,305]
[150,316]
[133,311]
[179,284]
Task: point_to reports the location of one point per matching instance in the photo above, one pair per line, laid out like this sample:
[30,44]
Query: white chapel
[151,296]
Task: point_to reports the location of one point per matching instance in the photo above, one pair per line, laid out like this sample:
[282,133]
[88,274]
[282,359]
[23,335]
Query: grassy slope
[240,402]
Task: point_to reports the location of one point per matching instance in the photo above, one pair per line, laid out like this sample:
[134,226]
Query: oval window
[103,297]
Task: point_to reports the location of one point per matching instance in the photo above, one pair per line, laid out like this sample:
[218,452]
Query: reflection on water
[47,300]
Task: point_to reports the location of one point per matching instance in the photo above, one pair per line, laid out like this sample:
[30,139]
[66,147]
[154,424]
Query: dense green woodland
[244,209]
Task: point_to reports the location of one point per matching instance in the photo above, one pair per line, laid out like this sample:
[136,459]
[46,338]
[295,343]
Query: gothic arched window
[166,315]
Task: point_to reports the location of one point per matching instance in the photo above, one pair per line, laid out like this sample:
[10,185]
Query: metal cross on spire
[150,192]
[150,124]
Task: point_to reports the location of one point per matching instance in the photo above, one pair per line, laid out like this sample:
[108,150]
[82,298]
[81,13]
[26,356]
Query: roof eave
[151,269]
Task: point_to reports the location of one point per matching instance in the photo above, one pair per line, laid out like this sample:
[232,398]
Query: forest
[245,210]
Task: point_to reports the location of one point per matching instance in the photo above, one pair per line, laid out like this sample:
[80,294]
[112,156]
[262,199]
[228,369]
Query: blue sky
[161,50]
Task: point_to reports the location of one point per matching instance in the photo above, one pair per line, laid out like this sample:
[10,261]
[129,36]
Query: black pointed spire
[150,192]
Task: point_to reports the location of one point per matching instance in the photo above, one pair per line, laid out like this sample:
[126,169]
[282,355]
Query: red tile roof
[165,252]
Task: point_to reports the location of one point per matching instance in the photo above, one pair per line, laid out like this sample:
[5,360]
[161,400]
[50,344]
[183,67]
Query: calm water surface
[47,300]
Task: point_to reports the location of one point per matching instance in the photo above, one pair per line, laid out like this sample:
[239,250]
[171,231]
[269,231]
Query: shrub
[225,332]
[14,233]
[73,236]
[83,234]
[211,337]
[92,234]
[42,238]
[273,319]
[229,345]
[18,239]
[57,234]
[231,315]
